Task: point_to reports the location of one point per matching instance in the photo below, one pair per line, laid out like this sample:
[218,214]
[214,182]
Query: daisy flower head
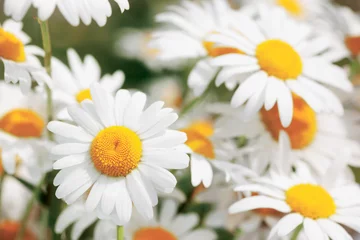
[73,11]
[20,59]
[316,138]
[120,153]
[22,132]
[277,60]
[168,226]
[193,23]
[72,85]
[320,204]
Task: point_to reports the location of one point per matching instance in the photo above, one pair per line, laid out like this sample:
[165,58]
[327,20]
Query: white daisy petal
[333,230]
[255,202]
[312,229]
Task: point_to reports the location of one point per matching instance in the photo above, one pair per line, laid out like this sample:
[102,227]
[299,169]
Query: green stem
[120,233]
[296,232]
[45,34]
[199,99]
[2,177]
[28,209]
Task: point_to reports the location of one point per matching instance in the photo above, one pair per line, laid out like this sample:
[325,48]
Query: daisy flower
[73,11]
[300,9]
[72,85]
[321,205]
[117,175]
[194,22]
[316,138]
[22,132]
[19,58]
[168,226]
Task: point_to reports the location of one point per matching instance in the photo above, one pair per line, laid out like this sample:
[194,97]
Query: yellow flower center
[11,48]
[353,44]
[9,230]
[292,6]
[311,201]
[23,123]
[116,151]
[214,51]
[82,95]
[198,138]
[153,233]
[302,129]
[279,59]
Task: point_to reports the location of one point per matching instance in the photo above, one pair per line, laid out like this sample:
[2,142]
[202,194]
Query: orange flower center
[116,151]
[215,51]
[9,230]
[23,123]
[302,129]
[11,48]
[83,94]
[198,138]
[353,44]
[153,233]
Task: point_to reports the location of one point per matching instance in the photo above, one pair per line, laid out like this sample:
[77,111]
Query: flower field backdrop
[179,119]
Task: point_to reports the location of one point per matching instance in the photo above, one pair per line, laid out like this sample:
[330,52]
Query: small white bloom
[73,11]
[119,151]
[168,226]
[20,59]
[278,57]
[72,85]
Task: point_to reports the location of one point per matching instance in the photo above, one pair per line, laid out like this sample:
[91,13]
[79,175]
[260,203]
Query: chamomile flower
[119,152]
[22,129]
[72,85]
[73,11]
[194,22]
[276,60]
[20,58]
[300,9]
[321,205]
[168,226]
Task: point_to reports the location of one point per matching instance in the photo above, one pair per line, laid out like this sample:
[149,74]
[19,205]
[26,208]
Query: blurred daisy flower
[119,152]
[276,59]
[73,11]
[193,23]
[22,132]
[168,226]
[72,85]
[316,138]
[322,205]
[20,59]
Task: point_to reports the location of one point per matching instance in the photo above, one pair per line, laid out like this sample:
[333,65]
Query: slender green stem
[28,209]
[296,232]
[199,99]
[120,233]
[2,177]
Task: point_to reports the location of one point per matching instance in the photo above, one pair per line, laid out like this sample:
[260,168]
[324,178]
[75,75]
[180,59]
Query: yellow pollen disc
[353,44]
[153,233]
[116,151]
[303,128]
[311,201]
[292,6]
[198,138]
[11,48]
[214,51]
[279,59]
[9,230]
[23,123]
[82,95]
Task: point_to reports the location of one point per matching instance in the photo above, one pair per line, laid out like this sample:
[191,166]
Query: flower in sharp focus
[73,11]
[322,205]
[168,226]
[193,23]
[22,132]
[119,152]
[279,57]
[316,138]
[20,59]
[72,85]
